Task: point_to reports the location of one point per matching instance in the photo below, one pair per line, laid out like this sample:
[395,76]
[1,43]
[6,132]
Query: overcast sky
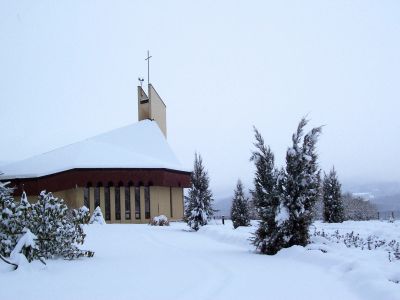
[69,69]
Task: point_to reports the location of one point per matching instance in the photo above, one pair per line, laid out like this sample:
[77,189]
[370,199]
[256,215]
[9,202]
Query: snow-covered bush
[57,236]
[97,217]
[354,240]
[39,230]
[26,246]
[240,215]
[81,215]
[198,203]
[161,220]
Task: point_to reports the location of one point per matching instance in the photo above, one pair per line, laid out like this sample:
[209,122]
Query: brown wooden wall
[82,177]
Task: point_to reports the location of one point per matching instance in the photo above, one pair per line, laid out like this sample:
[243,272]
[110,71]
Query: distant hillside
[385,195]
[387,203]
[223,205]
[378,189]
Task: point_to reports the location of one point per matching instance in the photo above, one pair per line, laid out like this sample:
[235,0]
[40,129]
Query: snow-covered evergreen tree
[10,227]
[81,215]
[301,186]
[332,198]
[24,211]
[285,199]
[267,237]
[40,230]
[57,235]
[198,203]
[240,207]
[97,217]
[26,246]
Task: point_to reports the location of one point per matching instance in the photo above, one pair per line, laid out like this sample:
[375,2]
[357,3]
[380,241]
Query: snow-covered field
[147,262]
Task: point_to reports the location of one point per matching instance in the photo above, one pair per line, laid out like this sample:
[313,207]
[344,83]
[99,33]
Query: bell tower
[152,107]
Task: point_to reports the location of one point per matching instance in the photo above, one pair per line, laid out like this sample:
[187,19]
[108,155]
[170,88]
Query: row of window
[117,201]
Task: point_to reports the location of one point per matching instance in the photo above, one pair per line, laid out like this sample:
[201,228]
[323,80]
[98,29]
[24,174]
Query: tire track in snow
[224,274]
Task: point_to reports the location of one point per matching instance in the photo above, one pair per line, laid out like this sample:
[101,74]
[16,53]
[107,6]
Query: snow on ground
[149,262]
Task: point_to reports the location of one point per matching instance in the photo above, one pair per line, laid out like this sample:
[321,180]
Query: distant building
[130,172]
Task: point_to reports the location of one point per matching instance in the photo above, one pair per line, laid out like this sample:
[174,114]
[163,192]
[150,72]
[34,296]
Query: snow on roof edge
[149,153]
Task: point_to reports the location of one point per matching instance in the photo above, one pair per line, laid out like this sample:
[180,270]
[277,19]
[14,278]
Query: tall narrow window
[147,202]
[170,201]
[107,203]
[128,202]
[86,201]
[97,195]
[137,203]
[117,203]
[86,195]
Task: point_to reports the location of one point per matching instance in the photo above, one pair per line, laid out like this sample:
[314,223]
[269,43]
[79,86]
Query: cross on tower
[148,66]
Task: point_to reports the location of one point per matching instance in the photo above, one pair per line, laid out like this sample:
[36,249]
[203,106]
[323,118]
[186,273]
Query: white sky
[68,70]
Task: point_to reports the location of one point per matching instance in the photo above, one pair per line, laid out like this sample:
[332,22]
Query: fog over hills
[385,195]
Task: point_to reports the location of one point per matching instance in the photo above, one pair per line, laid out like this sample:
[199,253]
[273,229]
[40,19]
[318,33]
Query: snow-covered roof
[139,145]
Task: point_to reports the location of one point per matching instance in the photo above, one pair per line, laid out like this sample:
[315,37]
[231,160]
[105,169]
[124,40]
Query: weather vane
[141,81]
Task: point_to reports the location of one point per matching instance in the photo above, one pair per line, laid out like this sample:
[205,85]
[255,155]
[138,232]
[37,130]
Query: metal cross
[148,66]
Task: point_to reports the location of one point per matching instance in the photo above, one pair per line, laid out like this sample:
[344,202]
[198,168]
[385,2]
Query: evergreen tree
[301,186]
[57,236]
[10,227]
[24,211]
[240,208]
[27,247]
[332,198]
[198,203]
[81,215]
[38,231]
[97,217]
[267,237]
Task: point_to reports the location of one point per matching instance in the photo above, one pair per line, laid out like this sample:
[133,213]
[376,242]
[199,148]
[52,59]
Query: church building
[130,172]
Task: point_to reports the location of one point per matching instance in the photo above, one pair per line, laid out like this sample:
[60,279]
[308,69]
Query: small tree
[198,203]
[240,208]
[332,198]
[97,217]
